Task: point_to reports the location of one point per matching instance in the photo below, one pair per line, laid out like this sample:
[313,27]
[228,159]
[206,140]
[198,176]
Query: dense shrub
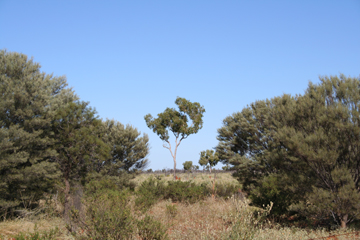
[153,190]
[107,216]
[148,193]
[189,192]
[226,190]
[270,189]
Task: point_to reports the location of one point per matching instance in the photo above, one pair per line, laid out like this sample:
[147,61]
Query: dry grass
[213,219]
[203,220]
[208,219]
[11,228]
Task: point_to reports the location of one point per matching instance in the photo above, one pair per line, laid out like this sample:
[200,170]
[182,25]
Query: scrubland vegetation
[293,166]
[161,208]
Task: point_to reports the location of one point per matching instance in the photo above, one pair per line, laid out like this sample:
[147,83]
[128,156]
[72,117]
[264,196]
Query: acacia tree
[177,123]
[209,158]
[302,152]
[77,132]
[326,137]
[29,99]
[128,152]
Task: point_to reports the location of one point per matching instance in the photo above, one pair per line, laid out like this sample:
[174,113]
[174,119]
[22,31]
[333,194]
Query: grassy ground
[11,228]
[213,219]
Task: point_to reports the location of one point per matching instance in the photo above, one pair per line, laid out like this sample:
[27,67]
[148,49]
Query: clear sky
[131,58]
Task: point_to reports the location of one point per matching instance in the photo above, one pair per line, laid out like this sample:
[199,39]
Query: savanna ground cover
[160,208]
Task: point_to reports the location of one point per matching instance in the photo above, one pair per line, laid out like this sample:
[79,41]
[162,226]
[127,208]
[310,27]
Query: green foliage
[128,150]
[177,123]
[29,99]
[188,192]
[148,193]
[226,190]
[188,165]
[272,188]
[96,186]
[79,145]
[47,134]
[152,190]
[300,150]
[209,158]
[108,216]
[151,229]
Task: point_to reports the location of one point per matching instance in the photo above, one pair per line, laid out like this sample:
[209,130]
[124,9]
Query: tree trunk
[67,201]
[174,167]
[344,220]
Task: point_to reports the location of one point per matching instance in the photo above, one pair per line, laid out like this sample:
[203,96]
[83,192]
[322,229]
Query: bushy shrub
[189,192]
[148,193]
[107,216]
[152,190]
[271,189]
[226,190]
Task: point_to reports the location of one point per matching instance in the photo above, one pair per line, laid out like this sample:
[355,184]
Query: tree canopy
[208,158]
[29,99]
[128,152]
[300,152]
[188,165]
[48,135]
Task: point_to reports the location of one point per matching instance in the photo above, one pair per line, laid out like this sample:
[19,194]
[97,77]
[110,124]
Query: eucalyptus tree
[209,158]
[177,123]
[29,99]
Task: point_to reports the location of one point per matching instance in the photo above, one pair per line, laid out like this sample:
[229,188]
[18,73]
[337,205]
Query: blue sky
[131,58]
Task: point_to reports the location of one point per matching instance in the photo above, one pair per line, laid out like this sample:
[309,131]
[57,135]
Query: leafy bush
[272,189]
[107,216]
[148,193]
[185,191]
[226,190]
[152,190]
[149,228]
